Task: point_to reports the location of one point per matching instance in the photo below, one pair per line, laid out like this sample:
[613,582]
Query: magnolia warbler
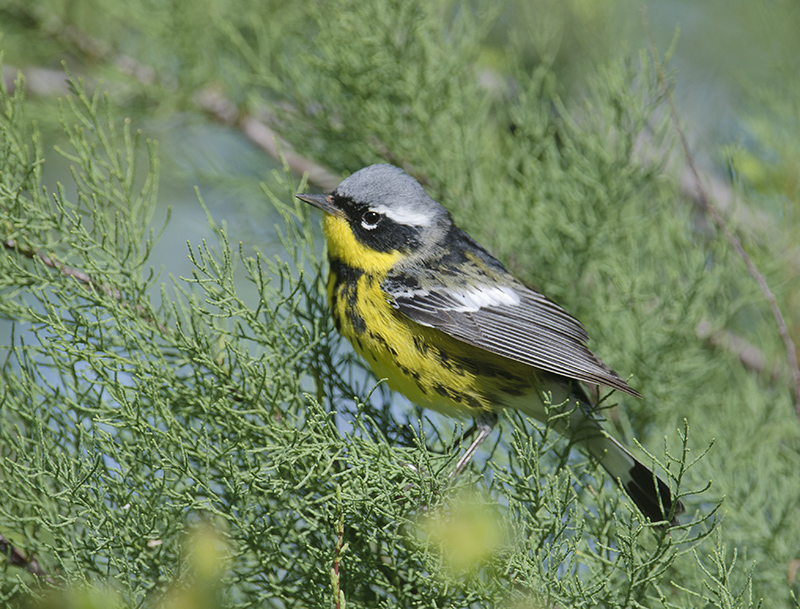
[449,327]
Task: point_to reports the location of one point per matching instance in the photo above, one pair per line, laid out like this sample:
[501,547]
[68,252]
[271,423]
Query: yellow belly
[426,365]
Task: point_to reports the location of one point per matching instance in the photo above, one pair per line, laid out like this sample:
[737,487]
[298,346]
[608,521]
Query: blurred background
[736,66]
[217,84]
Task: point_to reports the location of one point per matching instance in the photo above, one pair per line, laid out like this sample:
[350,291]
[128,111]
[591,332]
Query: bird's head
[379,217]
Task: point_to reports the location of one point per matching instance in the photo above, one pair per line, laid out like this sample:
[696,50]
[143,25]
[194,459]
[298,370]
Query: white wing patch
[460,300]
[475,299]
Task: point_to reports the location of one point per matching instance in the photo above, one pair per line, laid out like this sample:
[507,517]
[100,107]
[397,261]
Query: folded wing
[493,311]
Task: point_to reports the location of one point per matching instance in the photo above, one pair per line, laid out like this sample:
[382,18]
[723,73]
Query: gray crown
[389,190]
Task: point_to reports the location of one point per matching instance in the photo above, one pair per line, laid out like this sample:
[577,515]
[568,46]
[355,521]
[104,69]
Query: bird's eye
[370,219]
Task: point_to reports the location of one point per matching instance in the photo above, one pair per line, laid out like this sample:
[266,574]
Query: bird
[448,326]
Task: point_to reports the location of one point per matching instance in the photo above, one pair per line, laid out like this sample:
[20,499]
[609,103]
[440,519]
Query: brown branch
[80,276]
[96,286]
[258,131]
[791,571]
[43,81]
[39,81]
[711,209]
[338,594]
[749,355]
[18,559]
[65,270]
[262,135]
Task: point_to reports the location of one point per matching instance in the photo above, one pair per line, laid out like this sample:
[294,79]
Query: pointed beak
[323,202]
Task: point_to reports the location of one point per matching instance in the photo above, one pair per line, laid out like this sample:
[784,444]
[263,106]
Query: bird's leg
[484,424]
[465,435]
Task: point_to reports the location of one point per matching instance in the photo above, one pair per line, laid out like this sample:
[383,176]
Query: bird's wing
[503,317]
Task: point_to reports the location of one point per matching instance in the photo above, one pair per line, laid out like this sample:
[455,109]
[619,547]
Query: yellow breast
[426,365]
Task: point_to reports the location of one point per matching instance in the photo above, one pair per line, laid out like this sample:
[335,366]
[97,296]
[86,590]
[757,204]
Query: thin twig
[719,220]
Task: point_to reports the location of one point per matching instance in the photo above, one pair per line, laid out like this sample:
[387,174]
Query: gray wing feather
[535,331]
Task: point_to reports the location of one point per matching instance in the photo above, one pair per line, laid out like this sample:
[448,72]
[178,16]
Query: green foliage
[207,441]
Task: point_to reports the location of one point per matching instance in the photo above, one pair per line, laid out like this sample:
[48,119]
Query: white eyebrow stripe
[407,217]
[476,299]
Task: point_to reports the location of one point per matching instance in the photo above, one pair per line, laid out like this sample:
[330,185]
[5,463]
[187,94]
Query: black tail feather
[652,495]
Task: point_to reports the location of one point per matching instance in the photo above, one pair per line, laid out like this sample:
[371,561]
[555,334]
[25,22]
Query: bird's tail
[649,492]
[577,419]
